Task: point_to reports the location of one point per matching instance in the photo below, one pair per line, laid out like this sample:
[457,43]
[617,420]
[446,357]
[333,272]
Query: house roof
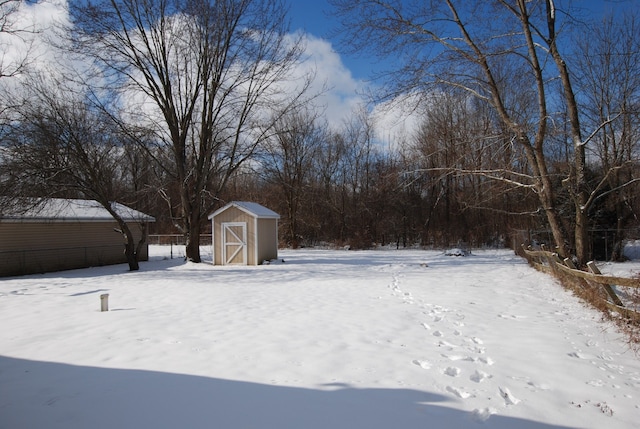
[254,209]
[73,210]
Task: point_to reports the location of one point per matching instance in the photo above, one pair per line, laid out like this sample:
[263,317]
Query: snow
[252,208]
[328,339]
[61,209]
[456,252]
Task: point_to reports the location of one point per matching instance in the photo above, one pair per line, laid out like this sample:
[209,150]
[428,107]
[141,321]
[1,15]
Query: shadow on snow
[54,395]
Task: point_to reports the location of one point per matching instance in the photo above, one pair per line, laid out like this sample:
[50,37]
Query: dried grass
[627,319]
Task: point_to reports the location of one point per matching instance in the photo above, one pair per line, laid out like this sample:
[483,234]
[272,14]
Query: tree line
[529,121]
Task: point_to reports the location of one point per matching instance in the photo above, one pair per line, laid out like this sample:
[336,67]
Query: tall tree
[484,48]
[288,159]
[204,75]
[608,75]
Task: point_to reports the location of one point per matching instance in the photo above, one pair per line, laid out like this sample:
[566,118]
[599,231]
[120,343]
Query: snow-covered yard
[328,339]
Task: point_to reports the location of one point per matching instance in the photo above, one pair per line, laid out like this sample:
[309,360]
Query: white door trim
[234,243]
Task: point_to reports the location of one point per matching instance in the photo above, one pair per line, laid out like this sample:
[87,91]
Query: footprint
[446,344]
[458,392]
[438,334]
[482,415]
[453,357]
[605,356]
[459,357]
[538,386]
[422,363]
[591,343]
[452,371]
[508,397]
[487,360]
[479,376]
[425,326]
[618,368]
[511,316]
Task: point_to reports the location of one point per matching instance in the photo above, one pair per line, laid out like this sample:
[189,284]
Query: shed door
[234,243]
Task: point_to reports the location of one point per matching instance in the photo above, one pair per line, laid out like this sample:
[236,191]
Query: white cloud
[340,93]
[396,121]
[393,121]
[34,26]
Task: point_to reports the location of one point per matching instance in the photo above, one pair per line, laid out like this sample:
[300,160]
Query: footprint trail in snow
[456,363]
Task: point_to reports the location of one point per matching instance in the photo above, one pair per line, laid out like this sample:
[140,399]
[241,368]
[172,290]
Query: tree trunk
[581,239]
[132,256]
[193,235]
[617,253]
[193,245]
[130,249]
[142,241]
[578,178]
[557,231]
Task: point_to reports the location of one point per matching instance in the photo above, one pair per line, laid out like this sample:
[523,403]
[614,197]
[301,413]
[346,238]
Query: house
[244,233]
[63,234]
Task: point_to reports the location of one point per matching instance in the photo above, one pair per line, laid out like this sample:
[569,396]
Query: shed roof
[68,210]
[254,209]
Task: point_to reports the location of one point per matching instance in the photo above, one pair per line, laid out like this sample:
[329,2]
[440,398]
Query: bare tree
[358,159]
[288,160]
[59,145]
[485,48]
[460,136]
[16,40]
[608,76]
[12,63]
[342,167]
[204,75]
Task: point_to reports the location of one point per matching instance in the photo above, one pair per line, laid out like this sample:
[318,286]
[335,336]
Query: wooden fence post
[612,293]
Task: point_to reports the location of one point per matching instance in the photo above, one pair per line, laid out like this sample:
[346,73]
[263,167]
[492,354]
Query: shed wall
[37,247]
[262,235]
[267,239]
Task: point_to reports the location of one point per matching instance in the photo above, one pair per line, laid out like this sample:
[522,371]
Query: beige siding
[267,239]
[232,214]
[35,247]
[262,242]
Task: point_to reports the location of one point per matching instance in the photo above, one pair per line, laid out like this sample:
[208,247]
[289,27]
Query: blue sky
[348,74]
[314,17]
[344,76]
[310,16]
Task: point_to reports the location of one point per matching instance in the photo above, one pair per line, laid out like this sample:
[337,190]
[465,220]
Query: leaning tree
[484,48]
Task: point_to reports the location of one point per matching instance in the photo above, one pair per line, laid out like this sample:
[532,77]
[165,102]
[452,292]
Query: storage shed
[63,234]
[244,233]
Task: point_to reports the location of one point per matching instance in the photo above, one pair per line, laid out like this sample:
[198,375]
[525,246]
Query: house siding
[31,247]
